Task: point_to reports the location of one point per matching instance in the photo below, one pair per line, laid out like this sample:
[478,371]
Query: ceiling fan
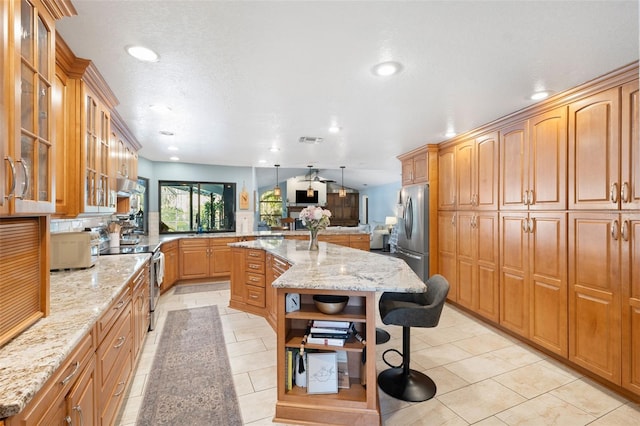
[314,176]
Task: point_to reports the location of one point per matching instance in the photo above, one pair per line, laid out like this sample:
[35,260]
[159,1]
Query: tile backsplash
[77,224]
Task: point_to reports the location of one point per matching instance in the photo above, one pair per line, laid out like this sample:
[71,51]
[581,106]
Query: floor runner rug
[197,288]
[190,381]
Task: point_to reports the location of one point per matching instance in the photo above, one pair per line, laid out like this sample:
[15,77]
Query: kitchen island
[332,270]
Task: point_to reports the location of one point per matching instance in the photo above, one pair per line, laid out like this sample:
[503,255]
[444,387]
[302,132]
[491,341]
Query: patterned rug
[190,382]
[197,288]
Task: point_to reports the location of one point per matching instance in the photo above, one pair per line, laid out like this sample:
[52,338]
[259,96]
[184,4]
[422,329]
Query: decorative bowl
[328,304]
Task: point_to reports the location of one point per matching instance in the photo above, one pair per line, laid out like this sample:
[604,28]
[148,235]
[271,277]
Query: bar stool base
[414,387]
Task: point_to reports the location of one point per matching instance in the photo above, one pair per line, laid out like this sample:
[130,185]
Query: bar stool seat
[411,310]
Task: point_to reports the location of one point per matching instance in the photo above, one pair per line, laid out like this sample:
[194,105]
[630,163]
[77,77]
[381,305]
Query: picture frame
[322,372]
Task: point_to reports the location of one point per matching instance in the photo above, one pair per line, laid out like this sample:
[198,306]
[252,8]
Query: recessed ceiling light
[386,69]
[274,149]
[172,148]
[174,158]
[450,133]
[262,161]
[334,129]
[540,95]
[160,108]
[166,133]
[142,53]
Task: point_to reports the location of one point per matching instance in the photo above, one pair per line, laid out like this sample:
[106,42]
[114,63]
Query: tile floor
[484,377]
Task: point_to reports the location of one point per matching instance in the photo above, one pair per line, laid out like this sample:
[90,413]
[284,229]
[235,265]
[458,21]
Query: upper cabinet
[27,120]
[415,167]
[533,169]
[477,173]
[95,147]
[447,178]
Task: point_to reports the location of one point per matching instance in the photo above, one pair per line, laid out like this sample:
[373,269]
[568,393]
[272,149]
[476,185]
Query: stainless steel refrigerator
[413,229]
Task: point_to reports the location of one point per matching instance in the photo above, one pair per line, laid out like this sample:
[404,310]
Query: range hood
[126,187]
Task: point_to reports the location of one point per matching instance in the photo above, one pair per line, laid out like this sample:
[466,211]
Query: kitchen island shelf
[294,340]
[309,312]
[345,397]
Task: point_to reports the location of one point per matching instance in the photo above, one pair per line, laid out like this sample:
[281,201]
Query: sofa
[377,237]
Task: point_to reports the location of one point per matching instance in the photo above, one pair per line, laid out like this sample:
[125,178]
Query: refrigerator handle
[408,223]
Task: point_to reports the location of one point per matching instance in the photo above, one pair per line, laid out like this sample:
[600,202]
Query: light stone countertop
[78,299]
[334,267]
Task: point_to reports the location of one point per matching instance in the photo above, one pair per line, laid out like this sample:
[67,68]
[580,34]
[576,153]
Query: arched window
[270,208]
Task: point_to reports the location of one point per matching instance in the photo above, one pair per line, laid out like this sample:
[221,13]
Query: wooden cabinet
[630,271]
[477,262]
[140,308]
[533,166]
[415,167]
[248,280]
[24,268]
[170,250]
[594,151]
[345,211]
[114,357]
[630,152]
[339,239]
[533,277]
[447,251]
[360,241]
[595,293]
[357,405]
[29,130]
[275,267]
[84,183]
[477,173]
[205,257]
[69,393]
[447,178]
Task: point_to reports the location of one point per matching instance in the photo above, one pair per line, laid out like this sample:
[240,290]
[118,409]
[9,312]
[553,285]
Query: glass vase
[313,240]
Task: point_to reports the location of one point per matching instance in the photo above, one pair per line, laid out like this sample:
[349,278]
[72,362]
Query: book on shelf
[329,330]
[332,324]
[326,341]
[330,335]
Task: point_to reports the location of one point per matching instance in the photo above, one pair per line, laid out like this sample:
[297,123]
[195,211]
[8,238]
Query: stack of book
[332,333]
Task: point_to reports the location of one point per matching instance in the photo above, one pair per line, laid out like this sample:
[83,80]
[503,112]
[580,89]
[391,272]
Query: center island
[266,271]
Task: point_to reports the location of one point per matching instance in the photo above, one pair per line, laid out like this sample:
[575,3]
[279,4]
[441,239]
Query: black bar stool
[411,310]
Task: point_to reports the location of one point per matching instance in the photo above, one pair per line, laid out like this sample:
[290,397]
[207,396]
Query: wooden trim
[94,80]
[118,124]
[68,62]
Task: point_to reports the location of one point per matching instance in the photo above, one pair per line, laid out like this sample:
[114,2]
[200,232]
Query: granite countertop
[78,299]
[335,267]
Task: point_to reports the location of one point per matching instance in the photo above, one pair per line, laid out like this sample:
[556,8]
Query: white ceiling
[242,76]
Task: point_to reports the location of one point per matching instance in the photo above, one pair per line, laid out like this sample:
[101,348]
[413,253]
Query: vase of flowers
[315,219]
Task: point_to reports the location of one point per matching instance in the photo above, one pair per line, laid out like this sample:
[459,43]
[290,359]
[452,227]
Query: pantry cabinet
[533,165]
[447,178]
[477,262]
[447,251]
[415,167]
[27,122]
[533,277]
[477,173]
[630,152]
[630,271]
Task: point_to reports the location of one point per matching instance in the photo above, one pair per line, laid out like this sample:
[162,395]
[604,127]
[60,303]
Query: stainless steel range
[156,268]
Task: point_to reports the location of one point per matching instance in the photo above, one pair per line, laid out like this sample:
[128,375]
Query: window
[197,207]
[270,208]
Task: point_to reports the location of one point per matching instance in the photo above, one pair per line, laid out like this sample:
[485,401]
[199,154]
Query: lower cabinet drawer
[114,394]
[255,279]
[255,296]
[114,350]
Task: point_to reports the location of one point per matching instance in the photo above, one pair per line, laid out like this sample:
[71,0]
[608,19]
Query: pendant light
[310,189]
[342,192]
[276,191]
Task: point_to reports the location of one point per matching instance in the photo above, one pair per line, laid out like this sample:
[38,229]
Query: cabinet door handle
[122,390]
[76,366]
[625,230]
[525,225]
[525,197]
[531,225]
[530,198]
[25,188]
[614,230]
[12,191]
[613,192]
[121,339]
[453,220]
[78,408]
[624,192]
[119,305]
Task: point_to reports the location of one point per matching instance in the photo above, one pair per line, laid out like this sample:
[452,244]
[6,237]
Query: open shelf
[294,340]
[308,311]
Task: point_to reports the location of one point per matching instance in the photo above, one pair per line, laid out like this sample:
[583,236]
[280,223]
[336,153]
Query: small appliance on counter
[74,250]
